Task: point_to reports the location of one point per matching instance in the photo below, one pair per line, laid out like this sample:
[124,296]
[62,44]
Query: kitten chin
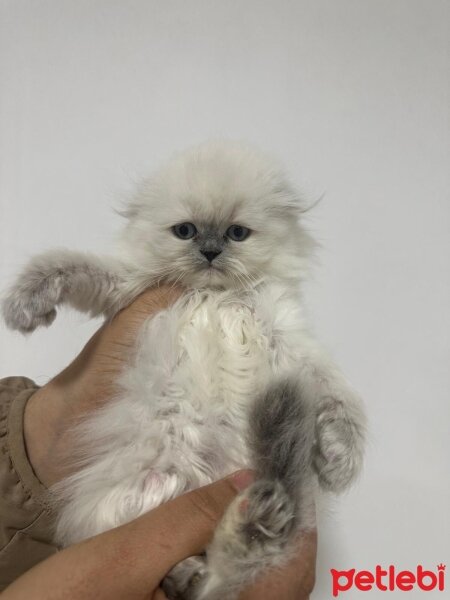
[214,278]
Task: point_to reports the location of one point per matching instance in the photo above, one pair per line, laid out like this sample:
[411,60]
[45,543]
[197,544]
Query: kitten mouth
[211,268]
[212,273]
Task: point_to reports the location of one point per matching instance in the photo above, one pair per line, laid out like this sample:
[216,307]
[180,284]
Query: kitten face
[220,215]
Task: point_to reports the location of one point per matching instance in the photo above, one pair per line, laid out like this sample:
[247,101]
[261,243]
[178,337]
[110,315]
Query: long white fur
[181,419]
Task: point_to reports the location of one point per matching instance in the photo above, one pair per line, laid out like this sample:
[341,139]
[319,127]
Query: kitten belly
[199,366]
[181,420]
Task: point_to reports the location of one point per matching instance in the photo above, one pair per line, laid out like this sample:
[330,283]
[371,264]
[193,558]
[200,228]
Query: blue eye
[185,231]
[238,233]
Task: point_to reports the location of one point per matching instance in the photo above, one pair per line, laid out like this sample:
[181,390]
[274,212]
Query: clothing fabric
[26,517]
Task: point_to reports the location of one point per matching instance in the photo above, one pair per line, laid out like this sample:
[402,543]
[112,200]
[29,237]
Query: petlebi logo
[388,580]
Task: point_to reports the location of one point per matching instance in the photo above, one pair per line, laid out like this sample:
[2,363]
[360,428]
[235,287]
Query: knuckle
[205,504]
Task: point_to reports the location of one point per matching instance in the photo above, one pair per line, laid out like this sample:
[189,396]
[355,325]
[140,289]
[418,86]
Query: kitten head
[220,215]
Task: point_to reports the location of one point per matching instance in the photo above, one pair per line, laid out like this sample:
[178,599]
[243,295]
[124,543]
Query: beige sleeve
[25,515]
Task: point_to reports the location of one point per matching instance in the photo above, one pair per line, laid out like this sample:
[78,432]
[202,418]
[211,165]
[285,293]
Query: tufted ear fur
[129,209]
[288,202]
[213,186]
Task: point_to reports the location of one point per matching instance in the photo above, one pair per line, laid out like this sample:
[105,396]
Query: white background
[353,96]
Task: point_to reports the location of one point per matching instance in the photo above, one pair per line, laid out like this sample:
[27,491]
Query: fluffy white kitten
[228,377]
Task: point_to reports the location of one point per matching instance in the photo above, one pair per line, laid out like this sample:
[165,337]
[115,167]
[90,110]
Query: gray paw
[31,303]
[254,534]
[183,581]
[268,515]
[259,523]
[338,452]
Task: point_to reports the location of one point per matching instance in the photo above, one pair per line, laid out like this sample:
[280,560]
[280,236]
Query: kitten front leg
[84,281]
[340,420]
[259,528]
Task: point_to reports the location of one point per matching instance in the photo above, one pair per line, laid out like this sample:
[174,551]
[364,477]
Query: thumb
[130,561]
[184,526]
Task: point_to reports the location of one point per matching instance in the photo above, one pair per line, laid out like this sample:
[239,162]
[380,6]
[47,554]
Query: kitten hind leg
[340,422]
[255,534]
[184,580]
[259,528]
[339,449]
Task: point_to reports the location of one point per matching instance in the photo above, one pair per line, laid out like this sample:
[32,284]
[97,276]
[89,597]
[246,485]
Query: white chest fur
[198,367]
[182,417]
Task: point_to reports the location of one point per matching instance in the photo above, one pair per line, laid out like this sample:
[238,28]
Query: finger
[183,527]
[294,581]
[130,561]
[91,378]
[156,298]
[146,304]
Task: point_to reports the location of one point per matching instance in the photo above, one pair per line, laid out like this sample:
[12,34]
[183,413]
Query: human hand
[295,580]
[86,384]
[129,562]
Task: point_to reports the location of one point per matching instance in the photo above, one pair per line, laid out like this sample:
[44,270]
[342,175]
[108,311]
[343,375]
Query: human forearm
[131,560]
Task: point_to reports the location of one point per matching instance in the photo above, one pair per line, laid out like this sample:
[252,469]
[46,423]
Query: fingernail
[242,479]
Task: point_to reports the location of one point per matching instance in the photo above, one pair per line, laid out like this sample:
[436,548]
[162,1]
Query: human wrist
[43,431]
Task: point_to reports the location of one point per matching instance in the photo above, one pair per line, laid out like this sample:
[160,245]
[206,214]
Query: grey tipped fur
[84,281]
[260,526]
[282,435]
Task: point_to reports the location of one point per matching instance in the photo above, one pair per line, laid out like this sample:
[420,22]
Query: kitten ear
[288,201]
[129,209]
[292,202]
